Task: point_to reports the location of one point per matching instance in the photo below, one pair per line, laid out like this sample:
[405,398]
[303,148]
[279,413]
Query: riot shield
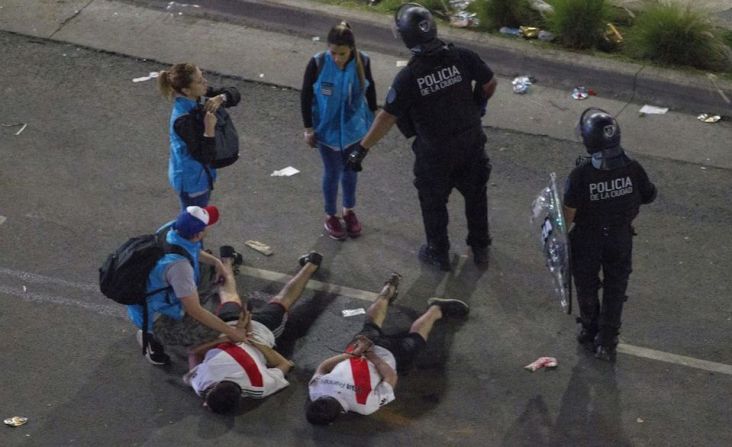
[547,209]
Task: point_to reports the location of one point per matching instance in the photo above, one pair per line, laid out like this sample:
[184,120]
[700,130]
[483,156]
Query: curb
[627,81]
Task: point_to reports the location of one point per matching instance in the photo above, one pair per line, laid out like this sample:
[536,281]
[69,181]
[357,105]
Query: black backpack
[227,139]
[124,274]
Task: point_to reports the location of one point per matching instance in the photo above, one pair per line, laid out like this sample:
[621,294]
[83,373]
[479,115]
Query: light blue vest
[184,173]
[165,302]
[341,116]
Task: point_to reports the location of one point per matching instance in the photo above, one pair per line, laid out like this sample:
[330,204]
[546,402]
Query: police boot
[587,331]
[606,344]
[430,255]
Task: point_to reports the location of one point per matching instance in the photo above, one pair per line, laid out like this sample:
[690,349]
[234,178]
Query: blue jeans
[186,200]
[334,172]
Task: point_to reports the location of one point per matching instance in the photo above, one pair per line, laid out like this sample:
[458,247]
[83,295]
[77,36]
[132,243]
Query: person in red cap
[177,315]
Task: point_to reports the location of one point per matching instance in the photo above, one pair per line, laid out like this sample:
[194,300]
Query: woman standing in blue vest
[338,102]
[190,139]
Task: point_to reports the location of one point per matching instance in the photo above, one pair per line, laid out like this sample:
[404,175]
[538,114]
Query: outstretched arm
[381,126]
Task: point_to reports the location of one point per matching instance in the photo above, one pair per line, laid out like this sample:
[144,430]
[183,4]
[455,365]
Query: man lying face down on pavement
[223,372]
[363,379]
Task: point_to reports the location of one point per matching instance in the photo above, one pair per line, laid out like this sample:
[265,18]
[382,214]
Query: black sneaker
[606,353]
[227,251]
[429,255]
[450,307]
[154,352]
[393,281]
[480,255]
[313,257]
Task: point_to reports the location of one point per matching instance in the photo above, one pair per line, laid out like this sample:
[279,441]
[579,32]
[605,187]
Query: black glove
[356,157]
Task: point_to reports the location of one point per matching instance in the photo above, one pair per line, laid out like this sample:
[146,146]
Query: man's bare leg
[376,313]
[292,291]
[437,309]
[227,290]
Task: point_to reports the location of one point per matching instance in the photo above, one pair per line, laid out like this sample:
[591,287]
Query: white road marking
[117,311]
[112,311]
[667,357]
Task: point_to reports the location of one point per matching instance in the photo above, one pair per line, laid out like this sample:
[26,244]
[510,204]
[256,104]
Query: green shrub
[579,23]
[670,33]
[494,14]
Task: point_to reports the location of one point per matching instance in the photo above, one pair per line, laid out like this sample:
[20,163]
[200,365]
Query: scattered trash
[703,168]
[401,63]
[316,38]
[151,75]
[286,172]
[652,110]
[529,32]
[25,289]
[541,6]
[174,7]
[613,35]
[546,36]
[22,128]
[261,75]
[521,84]
[3,219]
[16,421]
[260,247]
[640,420]
[542,362]
[510,31]
[464,19]
[580,93]
[353,312]
[708,118]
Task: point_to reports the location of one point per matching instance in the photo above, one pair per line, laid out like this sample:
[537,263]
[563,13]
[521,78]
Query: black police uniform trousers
[461,162]
[609,249]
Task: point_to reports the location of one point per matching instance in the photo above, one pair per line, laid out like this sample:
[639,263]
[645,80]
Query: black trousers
[460,163]
[609,249]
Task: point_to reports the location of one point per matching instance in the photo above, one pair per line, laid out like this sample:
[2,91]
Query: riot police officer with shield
[439,97]
[602,197]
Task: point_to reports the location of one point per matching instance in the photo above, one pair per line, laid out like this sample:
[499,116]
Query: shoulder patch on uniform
[391,95]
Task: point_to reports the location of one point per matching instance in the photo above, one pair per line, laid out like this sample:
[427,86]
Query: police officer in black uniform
[440,97]
[603,195]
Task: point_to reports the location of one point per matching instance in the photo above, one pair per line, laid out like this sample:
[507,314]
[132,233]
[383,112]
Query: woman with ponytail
[338,102]
[185,85]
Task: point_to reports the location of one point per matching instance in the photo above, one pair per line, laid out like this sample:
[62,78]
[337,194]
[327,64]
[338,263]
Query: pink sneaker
[334,229]
[353,226]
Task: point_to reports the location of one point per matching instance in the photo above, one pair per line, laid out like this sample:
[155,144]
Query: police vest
[444,104]
[610,198]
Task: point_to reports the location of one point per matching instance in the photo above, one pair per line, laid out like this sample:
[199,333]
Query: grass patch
[673,34]
[579,23]
[494,14]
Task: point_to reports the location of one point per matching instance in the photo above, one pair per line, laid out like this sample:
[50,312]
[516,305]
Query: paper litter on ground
[286,172]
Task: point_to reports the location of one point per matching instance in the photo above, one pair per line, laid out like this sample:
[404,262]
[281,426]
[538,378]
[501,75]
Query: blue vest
[165,302]
[184,173]
[341,116]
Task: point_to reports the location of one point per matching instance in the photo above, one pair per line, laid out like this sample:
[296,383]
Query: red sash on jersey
[361,377]
[246,361]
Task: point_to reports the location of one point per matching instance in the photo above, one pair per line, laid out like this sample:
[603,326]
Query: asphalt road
[89,171]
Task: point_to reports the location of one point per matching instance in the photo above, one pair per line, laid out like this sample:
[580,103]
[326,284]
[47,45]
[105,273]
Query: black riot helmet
[599,130]
[415,25]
